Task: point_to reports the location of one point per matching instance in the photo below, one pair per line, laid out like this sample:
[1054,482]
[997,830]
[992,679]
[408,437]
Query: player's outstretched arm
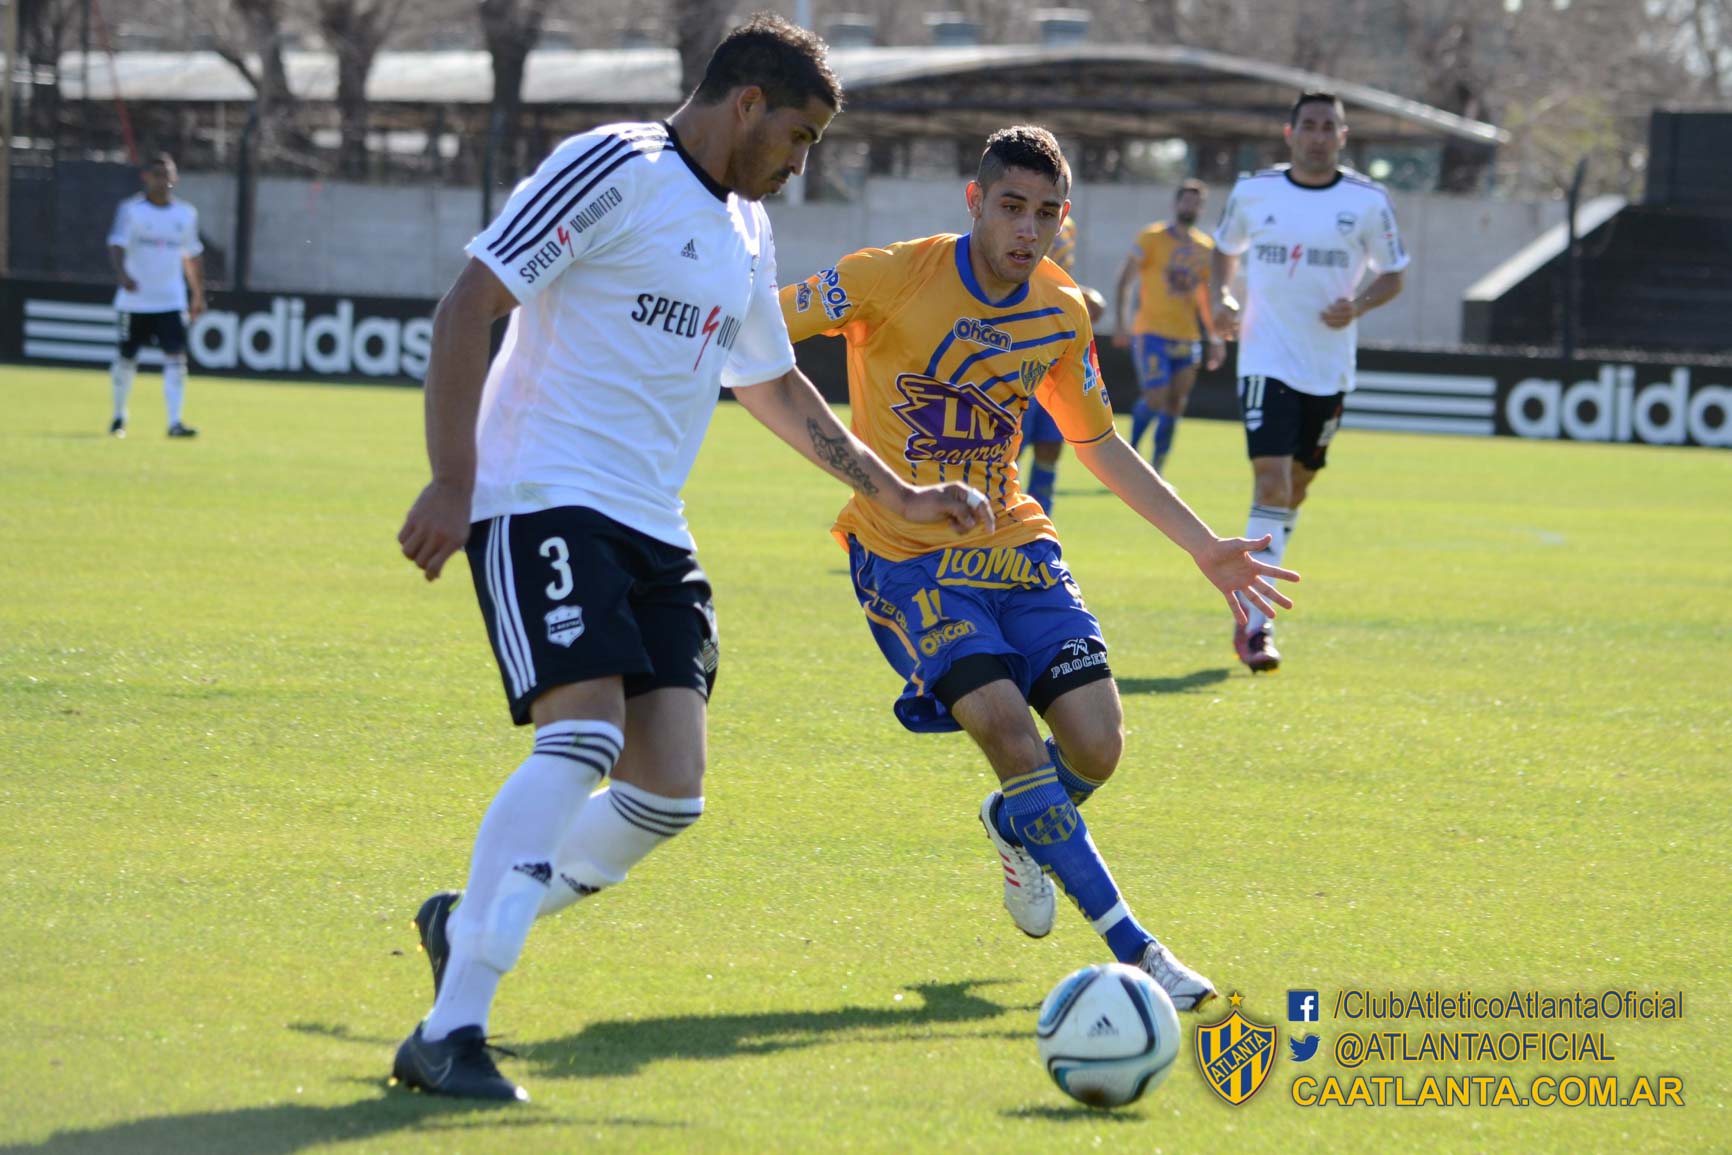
[1226,562]
[791,407]
[438,523]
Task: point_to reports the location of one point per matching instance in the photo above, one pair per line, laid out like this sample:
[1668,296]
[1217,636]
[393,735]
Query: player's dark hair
[1024,146]
[157,160]
[1193,185]
[784,60]
[1315,98]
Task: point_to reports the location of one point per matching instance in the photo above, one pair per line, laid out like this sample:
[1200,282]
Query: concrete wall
[327,236]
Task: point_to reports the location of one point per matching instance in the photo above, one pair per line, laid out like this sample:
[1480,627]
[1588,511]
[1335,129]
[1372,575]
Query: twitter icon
[1302,1048]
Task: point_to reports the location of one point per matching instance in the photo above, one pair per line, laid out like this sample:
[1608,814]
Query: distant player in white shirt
[154,248]
[1310,230]
[640,274]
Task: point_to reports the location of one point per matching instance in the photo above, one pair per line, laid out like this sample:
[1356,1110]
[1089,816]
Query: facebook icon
[1301,1006]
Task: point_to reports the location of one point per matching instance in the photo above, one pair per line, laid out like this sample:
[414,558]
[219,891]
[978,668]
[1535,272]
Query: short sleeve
[576,202]
[831,300]
[1382,239]
[190,245]
[1073,393]
[118,228]
[1233,234]
[763,352]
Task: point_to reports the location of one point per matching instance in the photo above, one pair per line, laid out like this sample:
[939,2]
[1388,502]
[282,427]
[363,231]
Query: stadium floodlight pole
[6,138]
[1572,266]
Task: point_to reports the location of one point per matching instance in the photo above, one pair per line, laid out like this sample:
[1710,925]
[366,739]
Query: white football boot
[1188,989]
[1028,893]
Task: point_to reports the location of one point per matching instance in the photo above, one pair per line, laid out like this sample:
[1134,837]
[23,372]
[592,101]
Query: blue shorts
[1158,358]
[1038,427]
[1018,604]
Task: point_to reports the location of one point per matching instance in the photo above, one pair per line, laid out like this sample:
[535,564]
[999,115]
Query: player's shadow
[292,1127]
[1196,680]
[625,1046]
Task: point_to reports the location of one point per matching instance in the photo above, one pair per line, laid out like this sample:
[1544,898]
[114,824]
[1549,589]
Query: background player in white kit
[1310,229]
[154,248]
[643,273]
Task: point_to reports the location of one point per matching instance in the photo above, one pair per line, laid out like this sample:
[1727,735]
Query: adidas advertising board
[1634,400]
[242,334]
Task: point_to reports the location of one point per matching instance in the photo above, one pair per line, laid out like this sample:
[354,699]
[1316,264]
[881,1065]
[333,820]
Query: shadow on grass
[291,1127]
[1195,680]
[623,1047]
[603,1049]
[1075,1113]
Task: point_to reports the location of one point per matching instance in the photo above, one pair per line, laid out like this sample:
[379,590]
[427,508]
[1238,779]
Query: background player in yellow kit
[948,337]
[1039,431]
[1169,267]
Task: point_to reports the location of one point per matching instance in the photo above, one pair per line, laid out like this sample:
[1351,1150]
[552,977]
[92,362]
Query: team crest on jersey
[564,624]
[1344,223]
[952,423]
[1236,1055]
[1033,373]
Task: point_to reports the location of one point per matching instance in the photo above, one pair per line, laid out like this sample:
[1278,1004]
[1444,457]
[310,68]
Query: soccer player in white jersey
[640,274]
[1310,230]
[154,248]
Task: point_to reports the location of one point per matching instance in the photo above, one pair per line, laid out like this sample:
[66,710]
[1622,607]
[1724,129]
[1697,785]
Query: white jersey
[643,285]
[157,240]
[1305,248]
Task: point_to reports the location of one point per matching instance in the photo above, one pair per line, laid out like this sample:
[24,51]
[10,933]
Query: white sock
[173,388]
[1273,521]
[511,866]
[120,376]
[614,832]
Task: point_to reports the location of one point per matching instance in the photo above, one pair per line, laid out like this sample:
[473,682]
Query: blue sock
[1165,425]
[1040,483]
[1079,788]
[1141,415]
[1047,824]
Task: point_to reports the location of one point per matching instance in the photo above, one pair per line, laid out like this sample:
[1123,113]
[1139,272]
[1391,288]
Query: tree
[355,30]
[699,26]
[249,34]
[510,29]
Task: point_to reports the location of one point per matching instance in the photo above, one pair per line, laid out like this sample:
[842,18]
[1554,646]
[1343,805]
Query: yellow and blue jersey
[939,376]
[1174,263]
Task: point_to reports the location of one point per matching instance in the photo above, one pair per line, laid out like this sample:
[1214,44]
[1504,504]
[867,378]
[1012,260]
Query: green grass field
[242,740]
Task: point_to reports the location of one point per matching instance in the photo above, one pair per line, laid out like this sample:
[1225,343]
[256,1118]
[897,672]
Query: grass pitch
[242,740]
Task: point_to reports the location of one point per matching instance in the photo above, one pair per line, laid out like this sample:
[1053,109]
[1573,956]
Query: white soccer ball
[1108,1035]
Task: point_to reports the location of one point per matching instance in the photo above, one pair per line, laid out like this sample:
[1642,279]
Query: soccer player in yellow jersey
[1040,431]
[948,337]
[1170,267]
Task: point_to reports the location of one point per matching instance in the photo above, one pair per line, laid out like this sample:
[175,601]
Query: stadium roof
[1091,90]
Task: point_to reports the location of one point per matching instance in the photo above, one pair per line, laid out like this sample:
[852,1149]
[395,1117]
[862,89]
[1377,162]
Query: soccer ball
[1108,1035]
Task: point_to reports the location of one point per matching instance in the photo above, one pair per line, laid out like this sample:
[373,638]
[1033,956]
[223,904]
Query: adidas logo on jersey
[1270,219]
[690,252]
[1103,1026]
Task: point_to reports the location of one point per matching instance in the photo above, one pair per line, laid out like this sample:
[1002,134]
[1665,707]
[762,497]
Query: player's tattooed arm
[842,459]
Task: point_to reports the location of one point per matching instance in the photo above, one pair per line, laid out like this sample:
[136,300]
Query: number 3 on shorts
[556,551]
